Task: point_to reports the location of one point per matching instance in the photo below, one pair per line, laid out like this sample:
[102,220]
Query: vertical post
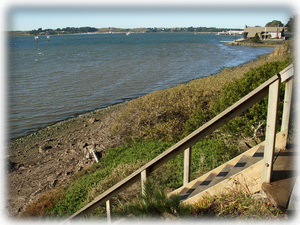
[287,105]
[187,166]
[271,131]
[108,211]
[144,175]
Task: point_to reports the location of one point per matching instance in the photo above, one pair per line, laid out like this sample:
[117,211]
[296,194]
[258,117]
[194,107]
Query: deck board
[283,179]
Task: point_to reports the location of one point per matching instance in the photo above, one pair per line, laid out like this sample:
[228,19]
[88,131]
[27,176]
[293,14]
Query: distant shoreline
[93,30]
[25,34]
[271,43]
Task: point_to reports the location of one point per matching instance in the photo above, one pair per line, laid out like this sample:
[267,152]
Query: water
[72,74]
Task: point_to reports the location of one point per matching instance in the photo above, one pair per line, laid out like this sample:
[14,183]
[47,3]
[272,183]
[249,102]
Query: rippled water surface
[72,74]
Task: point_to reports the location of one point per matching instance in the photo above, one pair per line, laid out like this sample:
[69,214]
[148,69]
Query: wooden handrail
[187,142]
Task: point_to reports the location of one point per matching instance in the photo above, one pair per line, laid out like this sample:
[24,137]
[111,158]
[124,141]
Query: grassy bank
[147,126]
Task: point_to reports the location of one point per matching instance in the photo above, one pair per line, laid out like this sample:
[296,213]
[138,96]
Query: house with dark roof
[263,32]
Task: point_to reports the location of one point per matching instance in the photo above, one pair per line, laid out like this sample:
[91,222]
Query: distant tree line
[74,30]
[189,29]
[67,30]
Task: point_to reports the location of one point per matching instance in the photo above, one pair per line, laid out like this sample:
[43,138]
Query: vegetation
[189,29]
[274,23]
[149,125]
[154,203]
[67,30]
[256,39]
[75,30]
[291,24]
[236,204]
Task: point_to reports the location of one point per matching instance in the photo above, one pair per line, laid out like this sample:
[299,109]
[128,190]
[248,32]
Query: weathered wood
[271,131]
[280,143]
[249,177]
[287,104]
[144,175]
[287,73]
[187,166]
[92,151]
[283,179]
[108,211]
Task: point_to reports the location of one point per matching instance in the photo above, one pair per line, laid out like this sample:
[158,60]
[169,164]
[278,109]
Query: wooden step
[203,185]
[245,168]
[227,171]
[212,180]
[239,166]
[185,193]
[258,155]
[221,176]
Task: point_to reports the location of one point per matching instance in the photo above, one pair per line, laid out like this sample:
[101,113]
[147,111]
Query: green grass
[154,204]
[122,161]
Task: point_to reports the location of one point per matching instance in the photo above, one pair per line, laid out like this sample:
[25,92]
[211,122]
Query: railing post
[187,166]
[144,175]
[287,105]
[108,211]
[271,131]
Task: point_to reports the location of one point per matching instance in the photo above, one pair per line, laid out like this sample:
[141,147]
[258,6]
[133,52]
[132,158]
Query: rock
[85,145]
[98,154]
[82,144]
[53,183]
[11,165]
[91,120]
[88,155]
[79,168]
[44,148]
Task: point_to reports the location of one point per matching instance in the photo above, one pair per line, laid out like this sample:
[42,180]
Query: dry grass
[236,204]
[39,207]
[116,175]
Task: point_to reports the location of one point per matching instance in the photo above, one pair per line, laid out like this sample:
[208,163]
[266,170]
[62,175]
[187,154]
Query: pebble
[44,148]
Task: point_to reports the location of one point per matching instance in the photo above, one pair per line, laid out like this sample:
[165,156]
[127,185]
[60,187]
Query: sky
[136,16]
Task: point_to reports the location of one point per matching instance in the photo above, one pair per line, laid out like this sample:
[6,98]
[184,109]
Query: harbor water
[61,76]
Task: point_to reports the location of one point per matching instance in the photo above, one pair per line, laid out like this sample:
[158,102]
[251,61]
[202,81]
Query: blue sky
[29,18]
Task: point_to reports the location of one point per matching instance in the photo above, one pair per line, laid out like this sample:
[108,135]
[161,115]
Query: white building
[263,32]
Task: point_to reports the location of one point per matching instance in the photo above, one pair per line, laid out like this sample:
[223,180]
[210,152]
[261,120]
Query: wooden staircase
[244,170]
[249,170]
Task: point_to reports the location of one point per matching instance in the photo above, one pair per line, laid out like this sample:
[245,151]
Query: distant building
[263,32]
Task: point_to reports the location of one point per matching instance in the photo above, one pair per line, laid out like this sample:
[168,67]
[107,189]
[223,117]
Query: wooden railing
[271,86]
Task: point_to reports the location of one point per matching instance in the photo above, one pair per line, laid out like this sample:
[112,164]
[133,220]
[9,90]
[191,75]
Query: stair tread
[228,171]
[208,179]
[185,192]
[204,184]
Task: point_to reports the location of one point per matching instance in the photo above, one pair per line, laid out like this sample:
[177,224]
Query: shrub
[256,39]
[255,117]
[154,203]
